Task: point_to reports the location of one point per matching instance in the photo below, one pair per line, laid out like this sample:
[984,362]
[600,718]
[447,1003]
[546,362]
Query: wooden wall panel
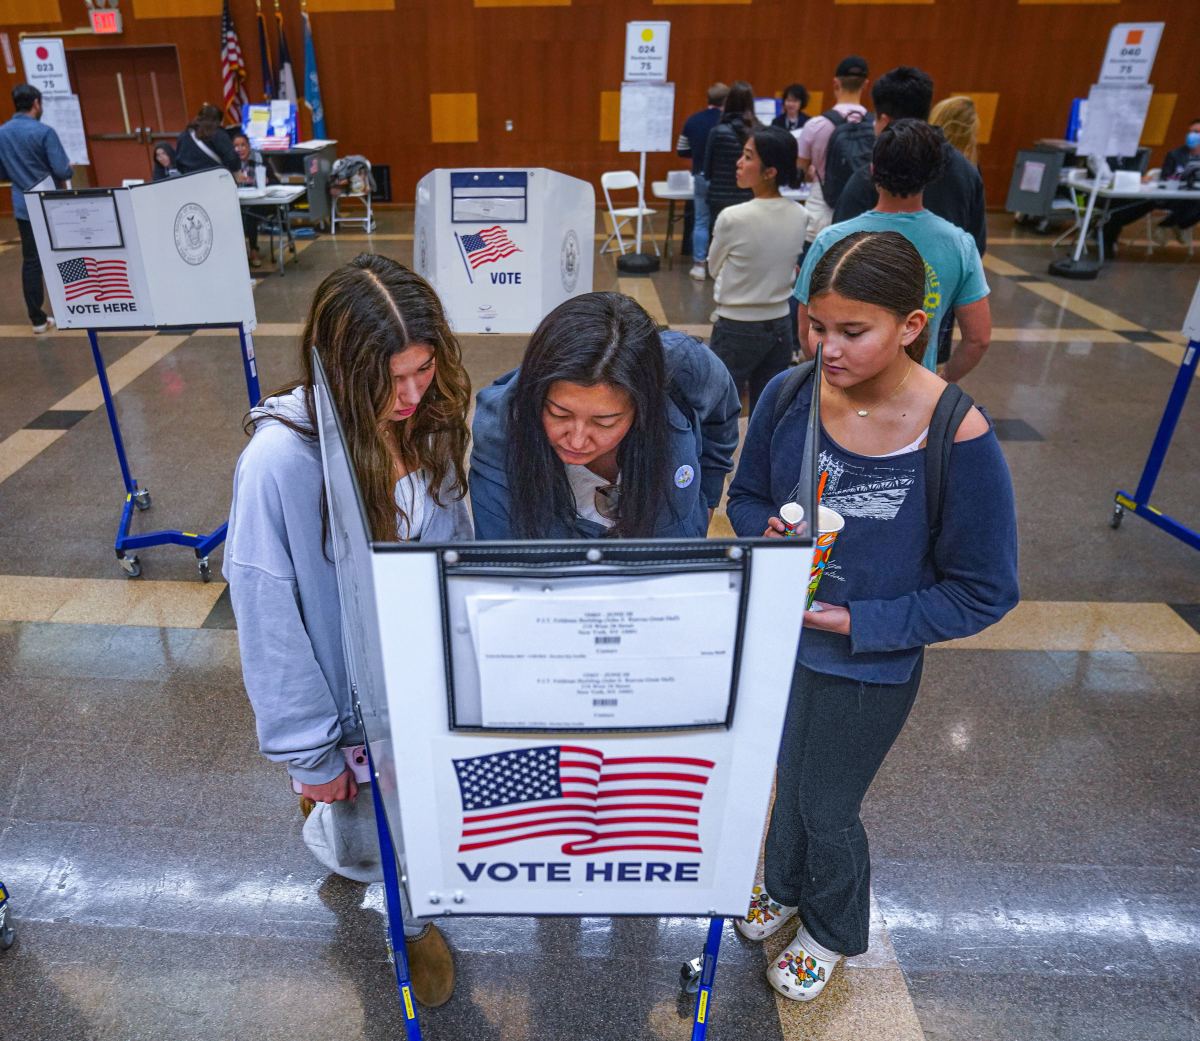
[30,12]
[546,69]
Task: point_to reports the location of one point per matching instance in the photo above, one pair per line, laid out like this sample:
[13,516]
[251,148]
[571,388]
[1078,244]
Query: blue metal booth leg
[1139,503]
[708,975]
[391,888]
[126,544]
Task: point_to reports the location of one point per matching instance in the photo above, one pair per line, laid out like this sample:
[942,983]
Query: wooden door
[131,98]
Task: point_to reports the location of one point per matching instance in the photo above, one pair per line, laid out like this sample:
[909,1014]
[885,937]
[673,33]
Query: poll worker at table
[1181,165]
[753,260]
[609,428]
[30,152]
[246,175]
[204,144]
[907,158]
[793,116]
[164,163]
[902,574]
[396,377]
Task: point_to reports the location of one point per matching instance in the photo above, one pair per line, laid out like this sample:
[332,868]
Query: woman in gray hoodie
[395,374]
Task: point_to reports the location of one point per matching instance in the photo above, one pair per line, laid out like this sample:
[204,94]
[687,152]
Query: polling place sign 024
[646,47]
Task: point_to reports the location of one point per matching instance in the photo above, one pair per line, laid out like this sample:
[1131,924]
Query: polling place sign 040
[646,47]
[45,61]
[1129,57]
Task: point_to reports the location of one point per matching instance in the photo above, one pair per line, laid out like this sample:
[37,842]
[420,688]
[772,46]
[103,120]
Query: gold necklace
[864,412]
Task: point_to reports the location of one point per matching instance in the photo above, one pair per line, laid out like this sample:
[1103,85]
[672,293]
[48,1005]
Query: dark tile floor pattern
[1035,830]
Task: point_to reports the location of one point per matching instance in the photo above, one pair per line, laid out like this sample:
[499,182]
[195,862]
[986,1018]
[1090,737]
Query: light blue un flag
[312,86]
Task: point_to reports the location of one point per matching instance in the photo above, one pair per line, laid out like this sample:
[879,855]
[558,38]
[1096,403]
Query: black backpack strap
[834,116]
[951,410]
[789,388]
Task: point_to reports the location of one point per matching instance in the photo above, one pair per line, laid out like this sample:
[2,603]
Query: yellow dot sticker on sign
[647,35]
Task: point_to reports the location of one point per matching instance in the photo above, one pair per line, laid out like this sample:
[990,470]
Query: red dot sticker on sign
[42,53]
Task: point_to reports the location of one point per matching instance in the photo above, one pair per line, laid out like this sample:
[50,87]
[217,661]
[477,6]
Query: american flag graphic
[598,804]
[488,246]
[99,279]
[233,69]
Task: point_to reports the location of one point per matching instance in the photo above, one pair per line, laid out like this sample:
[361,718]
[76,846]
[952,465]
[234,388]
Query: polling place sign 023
[45,61]
[646,47]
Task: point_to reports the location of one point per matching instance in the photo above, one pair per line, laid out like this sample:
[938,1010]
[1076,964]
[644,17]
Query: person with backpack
[814,138]
[908,156]
[928,552]
[955,195]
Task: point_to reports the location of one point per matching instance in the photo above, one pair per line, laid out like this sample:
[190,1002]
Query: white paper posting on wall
[62,112]
[82,221]
[605,661]
[1114,121]
[647,117]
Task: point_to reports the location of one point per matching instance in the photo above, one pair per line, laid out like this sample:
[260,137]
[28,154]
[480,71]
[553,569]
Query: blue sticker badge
[684,476]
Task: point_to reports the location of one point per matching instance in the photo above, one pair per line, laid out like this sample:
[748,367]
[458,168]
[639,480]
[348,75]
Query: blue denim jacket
[30,151]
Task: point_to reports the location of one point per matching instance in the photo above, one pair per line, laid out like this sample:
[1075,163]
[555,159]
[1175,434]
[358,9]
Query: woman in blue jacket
[607,428]
[897,581]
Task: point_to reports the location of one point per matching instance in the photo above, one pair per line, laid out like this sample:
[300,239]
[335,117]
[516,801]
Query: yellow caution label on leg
[1125,501]
[408,1005]
[702,1008]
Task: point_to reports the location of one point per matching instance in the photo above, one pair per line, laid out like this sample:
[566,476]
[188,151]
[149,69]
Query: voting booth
[566,728]
[503,248]
[167,253]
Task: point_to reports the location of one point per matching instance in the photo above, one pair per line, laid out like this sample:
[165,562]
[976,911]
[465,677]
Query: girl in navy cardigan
[889,589]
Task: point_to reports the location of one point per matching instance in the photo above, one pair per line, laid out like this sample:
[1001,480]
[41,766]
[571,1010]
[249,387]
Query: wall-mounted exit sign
[105,22]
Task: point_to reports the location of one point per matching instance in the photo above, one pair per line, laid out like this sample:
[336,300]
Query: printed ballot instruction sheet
[87,220]
[642,656]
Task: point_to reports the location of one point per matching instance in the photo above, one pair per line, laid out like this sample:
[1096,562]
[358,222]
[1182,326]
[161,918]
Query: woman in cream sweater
[753,259]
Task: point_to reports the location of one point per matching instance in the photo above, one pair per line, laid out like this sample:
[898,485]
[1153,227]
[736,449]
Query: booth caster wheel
[689,975]
[141,499]
[7,937]
[204,569]
[1118,515]
[130,565]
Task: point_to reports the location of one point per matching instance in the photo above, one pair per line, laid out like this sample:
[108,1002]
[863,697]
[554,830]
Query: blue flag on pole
[312,86]
[264,51]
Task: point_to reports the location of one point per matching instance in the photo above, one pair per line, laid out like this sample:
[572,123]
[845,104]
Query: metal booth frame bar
[1139,502]
[125,545]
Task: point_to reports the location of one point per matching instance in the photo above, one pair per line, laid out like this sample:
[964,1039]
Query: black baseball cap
[852,66]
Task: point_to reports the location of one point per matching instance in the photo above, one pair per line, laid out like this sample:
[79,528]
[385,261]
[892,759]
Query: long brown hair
[881,268]
[362,314]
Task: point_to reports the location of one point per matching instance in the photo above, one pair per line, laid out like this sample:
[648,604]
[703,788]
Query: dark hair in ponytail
[881,268]
[590,339]
[777,148]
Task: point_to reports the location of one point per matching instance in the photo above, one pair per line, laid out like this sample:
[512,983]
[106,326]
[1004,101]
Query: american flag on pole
[597,804]
[233,69]
[99,279]
[488,246]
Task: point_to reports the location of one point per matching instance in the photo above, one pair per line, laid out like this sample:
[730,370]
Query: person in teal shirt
[906,158]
